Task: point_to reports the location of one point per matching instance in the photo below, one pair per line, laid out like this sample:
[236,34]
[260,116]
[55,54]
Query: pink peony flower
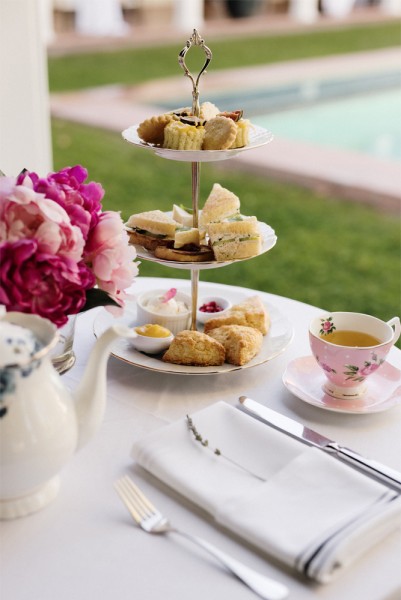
[81,201]
[24,214]
[57,245]
[110,256]
[32,281]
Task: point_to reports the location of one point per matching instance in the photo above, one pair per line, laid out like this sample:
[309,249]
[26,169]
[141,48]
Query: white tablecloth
[84,544]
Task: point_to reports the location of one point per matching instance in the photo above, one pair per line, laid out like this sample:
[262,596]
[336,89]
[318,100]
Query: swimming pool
[361,114]
[369,123]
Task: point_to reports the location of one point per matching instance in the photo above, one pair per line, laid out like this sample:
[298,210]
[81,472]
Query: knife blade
[308,436]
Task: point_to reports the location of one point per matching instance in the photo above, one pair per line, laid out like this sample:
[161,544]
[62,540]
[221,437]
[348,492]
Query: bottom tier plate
[274,343]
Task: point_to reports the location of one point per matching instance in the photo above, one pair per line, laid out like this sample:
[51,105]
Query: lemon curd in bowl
[152,338]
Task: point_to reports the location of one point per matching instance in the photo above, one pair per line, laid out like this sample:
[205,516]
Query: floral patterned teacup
[347,367]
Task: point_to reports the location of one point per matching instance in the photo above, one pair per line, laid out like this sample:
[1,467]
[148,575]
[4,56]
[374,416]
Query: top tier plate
[257,137]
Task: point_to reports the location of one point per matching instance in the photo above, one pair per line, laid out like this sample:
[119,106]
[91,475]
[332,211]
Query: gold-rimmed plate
[274,343]
[258,136]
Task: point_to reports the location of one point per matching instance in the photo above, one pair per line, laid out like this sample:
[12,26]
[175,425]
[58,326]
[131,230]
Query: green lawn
[331,253]
[142,64]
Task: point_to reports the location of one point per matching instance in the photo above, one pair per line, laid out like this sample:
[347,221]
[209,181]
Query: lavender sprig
[198,436]
[205,443]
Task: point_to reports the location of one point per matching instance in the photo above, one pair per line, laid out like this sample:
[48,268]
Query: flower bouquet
[60,253]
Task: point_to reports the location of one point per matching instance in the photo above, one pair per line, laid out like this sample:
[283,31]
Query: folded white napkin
[292,501]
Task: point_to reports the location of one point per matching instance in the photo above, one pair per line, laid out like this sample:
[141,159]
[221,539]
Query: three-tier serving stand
[259,137]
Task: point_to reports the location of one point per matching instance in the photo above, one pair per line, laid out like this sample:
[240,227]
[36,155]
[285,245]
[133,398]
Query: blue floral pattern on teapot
[18,347]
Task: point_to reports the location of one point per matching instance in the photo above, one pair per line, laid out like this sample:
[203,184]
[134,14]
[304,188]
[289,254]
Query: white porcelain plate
[304,378]
[257,137]
[274,343]
[269,240]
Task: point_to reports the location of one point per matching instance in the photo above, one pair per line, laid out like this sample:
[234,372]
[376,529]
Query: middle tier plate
[269,240]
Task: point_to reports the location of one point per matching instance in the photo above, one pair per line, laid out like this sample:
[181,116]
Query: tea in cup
[349,347]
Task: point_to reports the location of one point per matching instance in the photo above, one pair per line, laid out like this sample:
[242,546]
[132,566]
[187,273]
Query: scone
[182,136]
[195,348]
[240,342]
[251,313]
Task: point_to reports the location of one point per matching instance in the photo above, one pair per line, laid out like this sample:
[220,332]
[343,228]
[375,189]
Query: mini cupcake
[242,137]
[186,134]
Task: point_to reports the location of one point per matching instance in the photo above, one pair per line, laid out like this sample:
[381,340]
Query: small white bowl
[175,322]
[149,344]
[203,316]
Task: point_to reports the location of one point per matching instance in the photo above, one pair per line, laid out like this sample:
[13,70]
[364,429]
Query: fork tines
[138,505]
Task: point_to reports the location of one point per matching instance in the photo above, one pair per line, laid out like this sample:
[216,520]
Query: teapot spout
[90,397]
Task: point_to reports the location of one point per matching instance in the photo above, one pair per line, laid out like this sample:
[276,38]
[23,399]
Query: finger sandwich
[186,247]
[152,228]
[183,216]
[235,238]
[221,204]
[185,236]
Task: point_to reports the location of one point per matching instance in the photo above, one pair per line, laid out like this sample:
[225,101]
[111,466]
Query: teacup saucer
[304,378]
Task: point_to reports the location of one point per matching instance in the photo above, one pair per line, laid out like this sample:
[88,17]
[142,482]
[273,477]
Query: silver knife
[308,436]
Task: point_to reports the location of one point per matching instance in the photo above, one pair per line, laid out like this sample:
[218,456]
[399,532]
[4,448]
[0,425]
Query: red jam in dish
[210,307]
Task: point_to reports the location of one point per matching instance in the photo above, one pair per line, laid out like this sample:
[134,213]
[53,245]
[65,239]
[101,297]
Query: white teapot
[41,425]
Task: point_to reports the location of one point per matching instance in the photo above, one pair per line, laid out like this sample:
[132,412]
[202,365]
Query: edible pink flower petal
[169,294]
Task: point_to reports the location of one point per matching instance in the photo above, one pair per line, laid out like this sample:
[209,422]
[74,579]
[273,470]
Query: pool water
[368,123]
[360,113]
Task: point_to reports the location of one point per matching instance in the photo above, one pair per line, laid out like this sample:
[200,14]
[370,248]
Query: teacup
[362,345]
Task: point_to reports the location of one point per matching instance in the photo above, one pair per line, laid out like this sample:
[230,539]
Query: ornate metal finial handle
[195,40]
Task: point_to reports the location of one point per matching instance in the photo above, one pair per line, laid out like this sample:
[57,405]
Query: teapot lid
[17,345]
[20,342]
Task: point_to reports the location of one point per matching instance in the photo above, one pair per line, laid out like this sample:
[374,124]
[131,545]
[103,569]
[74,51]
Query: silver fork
[152,521]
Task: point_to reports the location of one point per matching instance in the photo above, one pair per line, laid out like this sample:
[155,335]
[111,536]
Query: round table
[85,545]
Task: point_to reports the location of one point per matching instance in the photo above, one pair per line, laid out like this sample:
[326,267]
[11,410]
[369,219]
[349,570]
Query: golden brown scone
[152,130]
[194,348]
[251,313]
[241,343]
[220,133]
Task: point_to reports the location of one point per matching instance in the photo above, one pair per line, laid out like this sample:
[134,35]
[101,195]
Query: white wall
[25,134]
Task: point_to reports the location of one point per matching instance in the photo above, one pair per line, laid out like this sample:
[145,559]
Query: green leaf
[188,209]
[96,297]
